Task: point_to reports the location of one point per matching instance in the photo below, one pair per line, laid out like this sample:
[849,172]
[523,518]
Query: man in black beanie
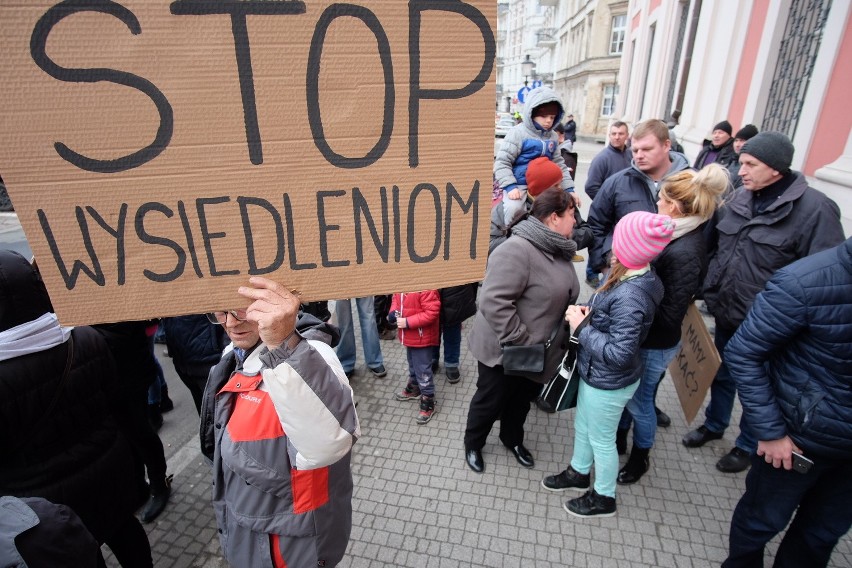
[778,219]
[719,149]
[742,136]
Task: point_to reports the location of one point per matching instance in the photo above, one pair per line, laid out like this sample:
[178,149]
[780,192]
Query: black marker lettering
[312,85]
[238,10]
[146,237]
[416,94]
[244,202]
[118,233]
[190,242]
[291,238]
[471,203]
[412,202]
[95,273]
[325,228]
[207,236]
[38,43]
[361,209]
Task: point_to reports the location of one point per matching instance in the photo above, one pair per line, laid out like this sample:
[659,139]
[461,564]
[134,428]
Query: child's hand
[401,323]
[514,194]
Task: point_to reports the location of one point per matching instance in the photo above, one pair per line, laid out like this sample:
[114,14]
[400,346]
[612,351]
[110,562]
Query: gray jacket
[283,427]
[527,141]
[523,297]
[751,248]
[621,318]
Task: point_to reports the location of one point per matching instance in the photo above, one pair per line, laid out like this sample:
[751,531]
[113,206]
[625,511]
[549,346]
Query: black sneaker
[453,375]
[427,410]
[410,392]
[593,282]
[350,373]
[568,479]
[379,371]
[591,505]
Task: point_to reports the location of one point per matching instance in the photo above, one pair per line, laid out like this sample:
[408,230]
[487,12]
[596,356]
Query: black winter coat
[74,455]
[724,157]
[194,340]
[458,303]
[749,249]
[681,267]
[791,356]
[621,318]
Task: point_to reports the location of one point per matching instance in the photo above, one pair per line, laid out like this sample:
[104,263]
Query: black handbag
[537,361]
[561,392]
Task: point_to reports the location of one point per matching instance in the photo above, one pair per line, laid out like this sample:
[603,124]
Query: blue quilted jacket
[792,356]
[621,318]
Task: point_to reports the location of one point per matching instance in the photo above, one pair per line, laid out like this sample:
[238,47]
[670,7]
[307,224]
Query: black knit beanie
[724,125]
[772,148]
[747,132]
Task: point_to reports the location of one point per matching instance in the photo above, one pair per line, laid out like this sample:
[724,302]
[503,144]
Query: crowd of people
[270,382]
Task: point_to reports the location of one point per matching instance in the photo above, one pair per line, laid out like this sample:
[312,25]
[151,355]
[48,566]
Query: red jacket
[421,311]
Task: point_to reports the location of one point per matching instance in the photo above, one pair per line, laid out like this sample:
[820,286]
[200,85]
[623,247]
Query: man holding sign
[278,420]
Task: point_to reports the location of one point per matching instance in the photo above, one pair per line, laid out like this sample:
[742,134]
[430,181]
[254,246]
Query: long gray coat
[523,297]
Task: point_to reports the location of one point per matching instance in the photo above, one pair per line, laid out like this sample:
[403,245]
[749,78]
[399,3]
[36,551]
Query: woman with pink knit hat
[620,315]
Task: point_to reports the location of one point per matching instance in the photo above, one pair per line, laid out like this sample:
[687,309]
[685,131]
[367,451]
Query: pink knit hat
[640,236]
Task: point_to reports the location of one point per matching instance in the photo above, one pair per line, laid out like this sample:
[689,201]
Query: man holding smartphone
[790,360]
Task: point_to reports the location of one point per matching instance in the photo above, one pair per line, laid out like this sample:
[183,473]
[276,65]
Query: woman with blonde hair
[690,198]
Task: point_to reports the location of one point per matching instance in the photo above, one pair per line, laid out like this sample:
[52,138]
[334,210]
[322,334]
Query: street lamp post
[527,68]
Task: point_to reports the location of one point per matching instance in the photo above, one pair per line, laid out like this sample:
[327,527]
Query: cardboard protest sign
[159,152]
[695,365]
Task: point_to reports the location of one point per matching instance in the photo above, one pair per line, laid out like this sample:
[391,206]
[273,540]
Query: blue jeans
[420,369]
[641,406]
[723,391]
[598,413]
[369,333]
[824,498]
[451,337]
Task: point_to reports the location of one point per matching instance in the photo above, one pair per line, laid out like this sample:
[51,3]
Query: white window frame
[609,99]
[619,32]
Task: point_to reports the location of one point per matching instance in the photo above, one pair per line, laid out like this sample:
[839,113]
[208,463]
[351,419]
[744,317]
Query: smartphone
[801,463]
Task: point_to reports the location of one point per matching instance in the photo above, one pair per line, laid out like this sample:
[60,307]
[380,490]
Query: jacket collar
[741,202]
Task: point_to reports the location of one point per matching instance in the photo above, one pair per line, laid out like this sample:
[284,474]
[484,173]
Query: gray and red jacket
[281,428]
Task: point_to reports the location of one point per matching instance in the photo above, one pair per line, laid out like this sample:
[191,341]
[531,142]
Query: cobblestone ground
[416,504]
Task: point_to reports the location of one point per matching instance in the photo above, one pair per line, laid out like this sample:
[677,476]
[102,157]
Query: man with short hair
[778,219]
[790,359]
[278,422]
[742,136]
[632,189]
[613,158]
[719,149]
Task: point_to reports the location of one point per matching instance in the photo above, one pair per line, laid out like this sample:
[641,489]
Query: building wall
[732,64]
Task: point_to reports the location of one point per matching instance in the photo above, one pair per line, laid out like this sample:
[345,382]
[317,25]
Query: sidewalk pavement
[416,503]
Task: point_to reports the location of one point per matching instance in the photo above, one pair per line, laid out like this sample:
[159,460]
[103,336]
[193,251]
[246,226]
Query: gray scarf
[544,238]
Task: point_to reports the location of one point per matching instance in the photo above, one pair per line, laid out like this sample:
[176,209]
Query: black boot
[621,440]
[159,497]
[637,464]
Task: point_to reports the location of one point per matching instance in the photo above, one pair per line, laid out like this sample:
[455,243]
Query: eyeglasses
[220,318]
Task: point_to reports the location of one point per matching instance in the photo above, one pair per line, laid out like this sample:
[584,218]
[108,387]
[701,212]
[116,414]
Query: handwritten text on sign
[162,151]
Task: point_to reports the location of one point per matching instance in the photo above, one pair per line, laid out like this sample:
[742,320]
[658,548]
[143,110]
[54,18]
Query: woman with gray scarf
[529,281]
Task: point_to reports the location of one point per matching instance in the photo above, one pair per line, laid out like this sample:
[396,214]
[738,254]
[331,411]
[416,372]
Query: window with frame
[616,38]
[610,93]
